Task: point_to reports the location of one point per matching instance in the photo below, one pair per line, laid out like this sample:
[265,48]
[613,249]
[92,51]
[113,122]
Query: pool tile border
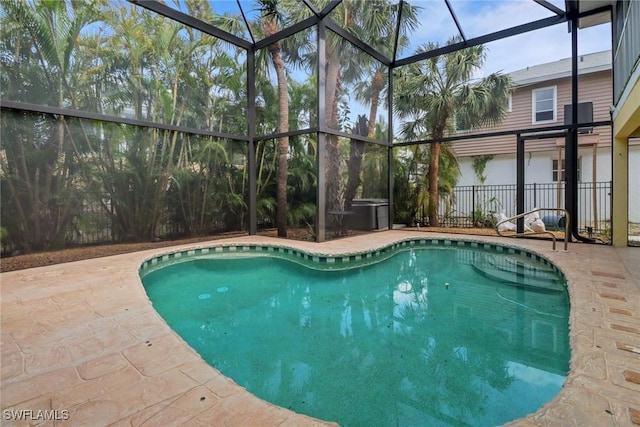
[339,260]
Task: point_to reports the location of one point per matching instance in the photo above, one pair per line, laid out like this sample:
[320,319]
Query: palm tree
[377,26]
[436,93]
[375,168]
[148,60]
[162,72]
[39,44]
[345,64]
[270,27]
[271,22]
[349,69]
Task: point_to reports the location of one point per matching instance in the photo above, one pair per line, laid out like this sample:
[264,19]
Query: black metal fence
[97,225]
[470,206]
[477,205]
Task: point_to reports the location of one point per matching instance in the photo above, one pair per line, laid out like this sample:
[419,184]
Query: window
[544,105]
[509,103]
[554,168]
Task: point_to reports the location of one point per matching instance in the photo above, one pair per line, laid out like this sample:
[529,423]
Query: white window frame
[562,170]
[510,102]
[534,93]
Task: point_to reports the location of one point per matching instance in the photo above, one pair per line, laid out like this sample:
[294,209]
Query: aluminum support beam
[356,41]
[321,152]
[571,145]
[80,114]
[455,19]
[251,147]
[520,167]
[390,141]
[192,22]
[287,32]
[540,132]
[524,28]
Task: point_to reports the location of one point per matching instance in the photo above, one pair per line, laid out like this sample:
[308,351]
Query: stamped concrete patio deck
[83,339]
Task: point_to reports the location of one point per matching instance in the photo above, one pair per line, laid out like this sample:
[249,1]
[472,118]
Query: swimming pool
[419,333]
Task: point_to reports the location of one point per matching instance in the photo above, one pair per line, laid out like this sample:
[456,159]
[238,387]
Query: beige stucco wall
[625,125]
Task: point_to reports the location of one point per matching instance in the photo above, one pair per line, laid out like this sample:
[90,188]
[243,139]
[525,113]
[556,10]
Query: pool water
[431,336]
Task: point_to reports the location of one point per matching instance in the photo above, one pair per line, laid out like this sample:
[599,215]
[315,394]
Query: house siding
[593,87]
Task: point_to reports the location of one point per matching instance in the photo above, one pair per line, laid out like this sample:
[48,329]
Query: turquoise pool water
[421,337]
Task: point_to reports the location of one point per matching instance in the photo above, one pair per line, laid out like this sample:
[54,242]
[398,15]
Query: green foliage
[479,166]
[208,197]
[122,60]
[145,66]
[4,239]
[484,213]
[411,182]
[302,184]
[375,172]
[404,200]
[432,94]
[482,217]
[39,196]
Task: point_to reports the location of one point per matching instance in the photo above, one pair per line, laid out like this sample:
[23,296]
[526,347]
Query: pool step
[518,271]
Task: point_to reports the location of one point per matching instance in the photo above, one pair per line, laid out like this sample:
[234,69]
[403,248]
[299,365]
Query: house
[625,20]
[542,98]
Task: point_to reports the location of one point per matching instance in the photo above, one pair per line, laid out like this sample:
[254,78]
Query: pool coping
[332,260]
[83,337]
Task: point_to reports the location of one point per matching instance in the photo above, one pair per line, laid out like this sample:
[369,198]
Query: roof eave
[557,76]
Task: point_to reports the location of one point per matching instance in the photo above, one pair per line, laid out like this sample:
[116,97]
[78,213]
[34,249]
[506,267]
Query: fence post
[113,231]
[535,195]
[473,205]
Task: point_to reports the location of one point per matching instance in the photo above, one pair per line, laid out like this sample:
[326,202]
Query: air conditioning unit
[585,115]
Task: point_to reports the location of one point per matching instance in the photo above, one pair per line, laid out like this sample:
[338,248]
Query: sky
[479,17]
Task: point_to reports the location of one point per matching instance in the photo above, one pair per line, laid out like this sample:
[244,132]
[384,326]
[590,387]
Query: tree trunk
[355,162]
[434,172]
[271,27]
[332,188]
[354,166]
[377,84]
